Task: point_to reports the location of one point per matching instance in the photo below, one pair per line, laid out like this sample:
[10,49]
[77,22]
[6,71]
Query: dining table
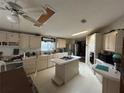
[15,81]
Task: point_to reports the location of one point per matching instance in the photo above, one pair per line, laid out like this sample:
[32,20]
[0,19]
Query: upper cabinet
[110,41]
[12,37]
[61,43]
[30,41]
[35,42]
[2,36]
[24,41]
[91,42]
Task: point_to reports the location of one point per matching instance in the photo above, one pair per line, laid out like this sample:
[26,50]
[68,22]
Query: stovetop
[66,58]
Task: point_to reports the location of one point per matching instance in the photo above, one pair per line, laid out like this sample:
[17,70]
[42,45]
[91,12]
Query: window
[47,46]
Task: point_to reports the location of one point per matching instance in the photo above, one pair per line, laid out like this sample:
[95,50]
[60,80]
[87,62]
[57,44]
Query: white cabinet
[30,41]
[93,45]
[65,72]
[24,41]
[42,62]
[35,42]
[29,65]
[106,40]
[50,63]
[2,36]
[110,41]
[61,43]
[12,37]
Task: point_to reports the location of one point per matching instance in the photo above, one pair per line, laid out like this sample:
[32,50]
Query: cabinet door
[29,65]
[61,43]
[24,41]
[35,42]
[42,62]
[50,64]
[106,42]
[12,37]
[110,41]
[92,41]
[58,43]
[2,36]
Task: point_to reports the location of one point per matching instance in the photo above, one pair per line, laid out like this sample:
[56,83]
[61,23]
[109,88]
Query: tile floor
[85,82]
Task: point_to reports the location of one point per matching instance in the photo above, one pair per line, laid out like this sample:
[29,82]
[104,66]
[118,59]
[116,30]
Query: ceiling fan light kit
[13,18]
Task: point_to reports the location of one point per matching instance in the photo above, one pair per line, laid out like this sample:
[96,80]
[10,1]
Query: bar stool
[2,63]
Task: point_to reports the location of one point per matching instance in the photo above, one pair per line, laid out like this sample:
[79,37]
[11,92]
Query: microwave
[106,57]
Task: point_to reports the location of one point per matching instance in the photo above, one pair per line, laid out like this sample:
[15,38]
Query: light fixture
[83,21]
[13,17]
[79,33]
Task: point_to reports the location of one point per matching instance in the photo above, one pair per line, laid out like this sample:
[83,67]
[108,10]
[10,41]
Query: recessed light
[79,33]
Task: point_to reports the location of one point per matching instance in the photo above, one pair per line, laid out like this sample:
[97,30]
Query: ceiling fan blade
[29,18]
[14,5]
[44,17]
[1,8]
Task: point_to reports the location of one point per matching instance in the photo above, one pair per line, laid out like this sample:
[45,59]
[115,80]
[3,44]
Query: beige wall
[118,24]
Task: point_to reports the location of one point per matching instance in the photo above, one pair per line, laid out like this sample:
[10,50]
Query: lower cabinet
[42,62]
[29,65]
[50,64]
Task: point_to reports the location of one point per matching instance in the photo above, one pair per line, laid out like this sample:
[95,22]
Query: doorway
[81,45]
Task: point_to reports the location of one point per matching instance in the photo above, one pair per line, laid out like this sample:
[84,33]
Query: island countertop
[60,61]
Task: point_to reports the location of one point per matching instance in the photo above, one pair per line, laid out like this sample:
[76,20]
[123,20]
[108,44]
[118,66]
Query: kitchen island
[65,69]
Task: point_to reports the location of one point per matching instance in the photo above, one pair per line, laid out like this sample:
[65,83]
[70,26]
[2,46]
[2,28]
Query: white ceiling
[67,19]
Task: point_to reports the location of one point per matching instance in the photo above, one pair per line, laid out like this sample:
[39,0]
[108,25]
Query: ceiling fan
[17,10]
